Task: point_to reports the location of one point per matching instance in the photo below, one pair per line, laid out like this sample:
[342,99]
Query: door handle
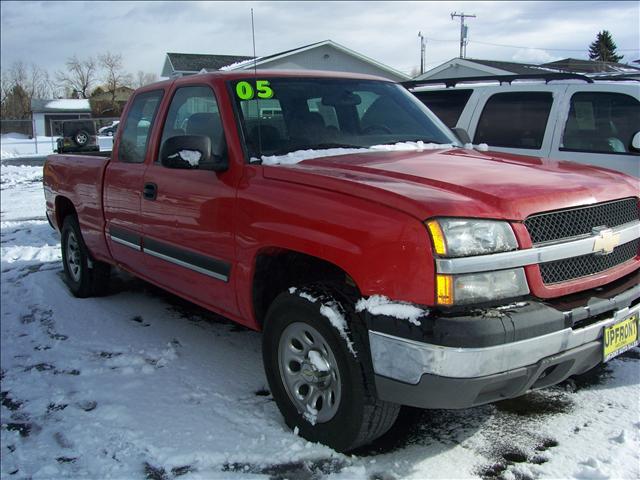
[150,191]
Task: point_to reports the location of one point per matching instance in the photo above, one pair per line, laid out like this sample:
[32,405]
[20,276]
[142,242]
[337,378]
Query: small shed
[46,113]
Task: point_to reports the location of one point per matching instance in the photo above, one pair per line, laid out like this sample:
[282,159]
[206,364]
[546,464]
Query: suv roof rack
[452,82]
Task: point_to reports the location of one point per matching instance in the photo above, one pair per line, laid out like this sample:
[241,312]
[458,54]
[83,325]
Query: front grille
[547,227]
[576,267]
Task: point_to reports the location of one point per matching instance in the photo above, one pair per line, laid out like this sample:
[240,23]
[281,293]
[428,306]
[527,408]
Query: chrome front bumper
[408,360]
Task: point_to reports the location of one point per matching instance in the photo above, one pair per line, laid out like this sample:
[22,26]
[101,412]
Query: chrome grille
[575,222]
[576,267]
[547,227]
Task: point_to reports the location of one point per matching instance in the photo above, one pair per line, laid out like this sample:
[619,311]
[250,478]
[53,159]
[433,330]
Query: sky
[47,33]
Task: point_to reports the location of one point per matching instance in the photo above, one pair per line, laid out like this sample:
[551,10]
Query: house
[101,101]
[325,55]
[46,114]
[473,67]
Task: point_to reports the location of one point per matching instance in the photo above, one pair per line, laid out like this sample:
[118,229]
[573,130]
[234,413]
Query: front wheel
[318,370]
[83,276]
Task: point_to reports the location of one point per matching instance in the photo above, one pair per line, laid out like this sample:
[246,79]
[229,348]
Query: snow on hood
[298,156]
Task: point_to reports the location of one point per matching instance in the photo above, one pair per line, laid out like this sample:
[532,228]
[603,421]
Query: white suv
[558,116]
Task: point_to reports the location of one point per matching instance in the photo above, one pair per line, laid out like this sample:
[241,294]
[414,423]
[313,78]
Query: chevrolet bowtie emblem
[605,241]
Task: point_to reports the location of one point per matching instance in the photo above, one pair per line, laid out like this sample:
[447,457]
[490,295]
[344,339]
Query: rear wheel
[84,277]
[321,381]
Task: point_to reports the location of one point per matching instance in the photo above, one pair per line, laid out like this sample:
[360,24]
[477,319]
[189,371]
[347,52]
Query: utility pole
[463,31]
[422,51]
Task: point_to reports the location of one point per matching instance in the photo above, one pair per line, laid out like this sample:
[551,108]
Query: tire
[83,276]
[349,415]
[81,138]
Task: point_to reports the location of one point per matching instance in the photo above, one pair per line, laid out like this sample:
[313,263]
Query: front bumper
[545,345]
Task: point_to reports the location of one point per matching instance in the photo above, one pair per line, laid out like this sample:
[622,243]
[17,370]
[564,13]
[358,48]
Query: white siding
[328,58]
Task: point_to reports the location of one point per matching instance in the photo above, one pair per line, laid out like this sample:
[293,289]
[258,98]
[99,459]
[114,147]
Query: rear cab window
[137,127]
[446,104]
[601,122]
[514,120]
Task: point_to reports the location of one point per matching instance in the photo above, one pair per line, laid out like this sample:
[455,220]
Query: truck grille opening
[576,267]
[564,224]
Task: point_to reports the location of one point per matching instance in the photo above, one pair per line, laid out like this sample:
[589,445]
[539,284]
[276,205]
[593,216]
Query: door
[189,221]
[123,181]
[596,126]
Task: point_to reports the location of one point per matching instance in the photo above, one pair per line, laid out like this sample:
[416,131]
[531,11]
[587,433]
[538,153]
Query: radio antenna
[255,78]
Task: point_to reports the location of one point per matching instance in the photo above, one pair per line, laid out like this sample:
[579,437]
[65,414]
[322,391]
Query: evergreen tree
[603,49]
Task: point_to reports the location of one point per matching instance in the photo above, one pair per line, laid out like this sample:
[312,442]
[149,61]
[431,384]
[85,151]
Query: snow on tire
[317,370]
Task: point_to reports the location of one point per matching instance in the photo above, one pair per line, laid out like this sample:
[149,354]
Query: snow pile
[412,146]
[381,305]
[298,156]
[481,147]
[13,175]
[240,65]
[317,361]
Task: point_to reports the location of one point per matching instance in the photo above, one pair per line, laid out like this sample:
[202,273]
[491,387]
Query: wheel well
[64,207]
[277,269]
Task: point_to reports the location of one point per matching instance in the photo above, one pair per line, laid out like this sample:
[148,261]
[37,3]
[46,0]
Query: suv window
[514,120]
[601,122]
[446,104]
[194,111]
[137,126]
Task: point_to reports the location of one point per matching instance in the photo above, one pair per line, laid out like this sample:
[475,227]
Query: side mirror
[191,152]
[462,134]
[635,142]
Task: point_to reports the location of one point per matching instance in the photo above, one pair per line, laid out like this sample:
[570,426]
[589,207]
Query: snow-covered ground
[16,145]
[140,384]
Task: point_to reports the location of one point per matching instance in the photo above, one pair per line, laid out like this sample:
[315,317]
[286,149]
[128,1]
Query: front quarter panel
[383,250]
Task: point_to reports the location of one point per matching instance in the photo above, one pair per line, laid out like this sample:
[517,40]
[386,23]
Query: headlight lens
[456,237]
[481,287]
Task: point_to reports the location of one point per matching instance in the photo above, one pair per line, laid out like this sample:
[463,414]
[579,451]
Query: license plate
[620,337]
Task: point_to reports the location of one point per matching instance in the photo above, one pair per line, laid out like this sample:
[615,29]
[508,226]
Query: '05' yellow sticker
[245,90]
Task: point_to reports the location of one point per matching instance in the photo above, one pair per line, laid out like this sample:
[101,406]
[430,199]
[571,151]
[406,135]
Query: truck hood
[460,182]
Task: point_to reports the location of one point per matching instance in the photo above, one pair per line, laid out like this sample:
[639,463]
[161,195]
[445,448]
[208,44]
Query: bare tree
[20,84]
[114,75]
[144,78]
[79,76]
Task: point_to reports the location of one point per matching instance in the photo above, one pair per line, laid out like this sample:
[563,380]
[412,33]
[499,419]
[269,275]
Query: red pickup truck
[386,264]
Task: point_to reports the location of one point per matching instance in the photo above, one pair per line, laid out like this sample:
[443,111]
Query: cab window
[194,111]
[137,127]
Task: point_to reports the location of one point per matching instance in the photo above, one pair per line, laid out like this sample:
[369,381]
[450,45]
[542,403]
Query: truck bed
[74,180]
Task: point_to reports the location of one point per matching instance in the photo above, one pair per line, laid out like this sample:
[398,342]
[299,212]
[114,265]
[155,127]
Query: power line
[520,46]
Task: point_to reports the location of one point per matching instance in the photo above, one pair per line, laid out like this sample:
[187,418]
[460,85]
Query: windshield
[281,115]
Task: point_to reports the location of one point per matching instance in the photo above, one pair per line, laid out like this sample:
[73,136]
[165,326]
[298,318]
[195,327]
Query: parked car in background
[78,136]
[558,116]
[109,130]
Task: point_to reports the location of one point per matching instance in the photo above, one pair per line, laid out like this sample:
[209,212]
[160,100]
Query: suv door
[189,220]
[596,126]
[123,181]
[517,119]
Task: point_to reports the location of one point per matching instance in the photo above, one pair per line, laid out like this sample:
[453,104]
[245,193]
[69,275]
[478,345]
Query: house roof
[577,65]
[261,61]
[514,67]
[65,105]
[195,62]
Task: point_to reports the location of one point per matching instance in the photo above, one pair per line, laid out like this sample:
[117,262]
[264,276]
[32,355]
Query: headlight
[456,237]
[480,287]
